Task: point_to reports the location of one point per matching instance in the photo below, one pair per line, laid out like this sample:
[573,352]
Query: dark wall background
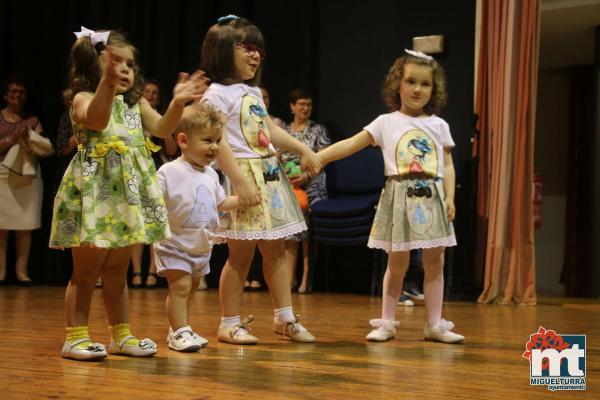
[341,50]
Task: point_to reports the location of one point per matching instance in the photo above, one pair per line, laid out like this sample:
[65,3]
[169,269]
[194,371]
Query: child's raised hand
[110,66]
[190,88]
[450,209]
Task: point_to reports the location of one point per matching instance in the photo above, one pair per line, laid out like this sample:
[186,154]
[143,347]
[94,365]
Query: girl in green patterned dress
[109,198]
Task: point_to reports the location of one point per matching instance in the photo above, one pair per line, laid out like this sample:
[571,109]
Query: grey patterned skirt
[411,215]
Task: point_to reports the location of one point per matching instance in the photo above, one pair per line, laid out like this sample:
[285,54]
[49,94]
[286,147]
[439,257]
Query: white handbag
[40,145]
[20,161]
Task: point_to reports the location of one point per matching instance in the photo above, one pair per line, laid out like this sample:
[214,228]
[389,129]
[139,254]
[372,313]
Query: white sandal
[185,340]
[94,351]
[145,348]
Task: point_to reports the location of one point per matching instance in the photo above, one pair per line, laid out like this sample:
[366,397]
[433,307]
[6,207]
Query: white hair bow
[95,37]
[419,54]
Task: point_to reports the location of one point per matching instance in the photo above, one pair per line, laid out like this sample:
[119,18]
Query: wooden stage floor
[342,365]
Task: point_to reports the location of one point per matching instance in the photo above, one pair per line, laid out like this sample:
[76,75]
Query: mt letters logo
[556,361]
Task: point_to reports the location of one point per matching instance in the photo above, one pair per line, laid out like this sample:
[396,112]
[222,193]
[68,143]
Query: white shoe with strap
[442,332]
[185,340]
[145,348]
[93,352]
[238,334]
[383,330]
[294,330]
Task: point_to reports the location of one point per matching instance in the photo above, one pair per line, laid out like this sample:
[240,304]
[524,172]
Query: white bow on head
[95,37]
[419,54]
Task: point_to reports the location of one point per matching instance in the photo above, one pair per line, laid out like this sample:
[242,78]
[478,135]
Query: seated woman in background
[315,136]
[20,196]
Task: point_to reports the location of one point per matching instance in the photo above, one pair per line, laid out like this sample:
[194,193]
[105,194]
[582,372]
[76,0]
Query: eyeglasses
[250,48]
[17,91]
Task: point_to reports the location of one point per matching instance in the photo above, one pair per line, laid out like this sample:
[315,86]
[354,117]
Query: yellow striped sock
[120,331]
[78,332]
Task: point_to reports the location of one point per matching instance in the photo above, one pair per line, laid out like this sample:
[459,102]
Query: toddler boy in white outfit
[193,197]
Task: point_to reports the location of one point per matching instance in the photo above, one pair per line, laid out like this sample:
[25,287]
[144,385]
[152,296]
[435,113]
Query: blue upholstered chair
[344,219]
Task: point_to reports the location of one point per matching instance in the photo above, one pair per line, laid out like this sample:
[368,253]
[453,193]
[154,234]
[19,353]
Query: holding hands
[311,163]
[247,194]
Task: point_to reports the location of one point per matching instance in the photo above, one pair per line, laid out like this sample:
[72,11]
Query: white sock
[228,322]
[284,314]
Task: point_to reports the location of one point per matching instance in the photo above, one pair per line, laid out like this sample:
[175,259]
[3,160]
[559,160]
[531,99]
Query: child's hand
[450,209]
[110,66]
[190,88]
[321,159]
[311,164]
[248,195]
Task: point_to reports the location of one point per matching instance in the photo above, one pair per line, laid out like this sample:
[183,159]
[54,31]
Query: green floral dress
[109,196]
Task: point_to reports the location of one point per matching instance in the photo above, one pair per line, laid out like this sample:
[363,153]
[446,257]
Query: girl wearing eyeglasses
[232,57]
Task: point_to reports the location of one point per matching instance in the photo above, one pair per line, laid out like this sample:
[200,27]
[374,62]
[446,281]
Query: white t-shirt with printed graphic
[247,133]
[191,198]
[411,144]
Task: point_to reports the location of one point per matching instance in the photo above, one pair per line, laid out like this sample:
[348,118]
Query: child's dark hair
[218,47]
[391,85]
[84,70]
[298,94]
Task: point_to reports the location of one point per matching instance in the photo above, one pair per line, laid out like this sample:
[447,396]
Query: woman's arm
[11,140]
[346,147]
[33,124]
[449,184]
[186,90]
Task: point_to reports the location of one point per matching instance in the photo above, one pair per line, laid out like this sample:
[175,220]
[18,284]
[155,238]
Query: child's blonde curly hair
[199,117]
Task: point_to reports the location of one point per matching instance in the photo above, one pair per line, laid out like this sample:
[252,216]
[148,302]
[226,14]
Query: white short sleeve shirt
[411,145]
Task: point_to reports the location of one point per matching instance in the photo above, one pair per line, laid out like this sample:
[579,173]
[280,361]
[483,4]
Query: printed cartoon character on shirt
[256,133]
[416,155]
[254,128]
[417,158]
